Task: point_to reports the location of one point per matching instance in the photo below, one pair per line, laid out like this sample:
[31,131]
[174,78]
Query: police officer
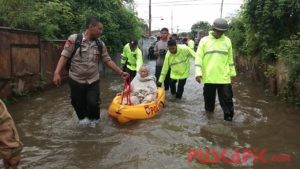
[177,58]
[84,71]
[10,144]
[190,42]
[160,51]
[215,68]
[132,58]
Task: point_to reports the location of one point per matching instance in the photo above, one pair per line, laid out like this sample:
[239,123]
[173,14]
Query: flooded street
[53,139]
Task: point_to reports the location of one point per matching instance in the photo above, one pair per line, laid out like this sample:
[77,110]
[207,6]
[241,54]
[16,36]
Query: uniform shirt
[84,68]
[10,144]
[178,62]
[158,46]
[191,44]
[214,61]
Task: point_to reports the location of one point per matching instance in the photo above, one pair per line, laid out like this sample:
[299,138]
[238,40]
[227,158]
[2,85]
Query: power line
[182,1]
[150,17]
[177,1]
[196,4]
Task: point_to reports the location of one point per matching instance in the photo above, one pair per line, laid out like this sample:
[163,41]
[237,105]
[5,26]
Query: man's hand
[61,63]
[158,84]
[57,79]
[198,79]
[125,75]
[13,162]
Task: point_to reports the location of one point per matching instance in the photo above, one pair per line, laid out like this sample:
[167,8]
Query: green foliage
[267,22]
[183,34]
[15,13]
[57,19]
[270,72]
[289,51]
[261,25]
[237,34]
[269,29]
[51,18]
[198,26]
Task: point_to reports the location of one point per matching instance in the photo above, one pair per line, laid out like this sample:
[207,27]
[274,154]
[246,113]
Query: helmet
[220,24]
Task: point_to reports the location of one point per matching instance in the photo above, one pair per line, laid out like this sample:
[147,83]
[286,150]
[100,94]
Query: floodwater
[53,139]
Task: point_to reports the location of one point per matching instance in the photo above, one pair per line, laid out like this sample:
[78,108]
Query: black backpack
[78,41]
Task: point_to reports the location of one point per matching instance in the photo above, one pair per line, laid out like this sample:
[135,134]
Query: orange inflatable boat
[125,113]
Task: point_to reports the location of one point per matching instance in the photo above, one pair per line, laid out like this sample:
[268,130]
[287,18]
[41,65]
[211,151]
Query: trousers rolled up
[85,99]
[225,95]
[167,79]
[180,87]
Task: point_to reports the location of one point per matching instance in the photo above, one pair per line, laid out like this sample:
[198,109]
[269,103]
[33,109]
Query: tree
[53,19]
[237,34]
[57,19]
[201,25]
[120,23]
[269,21]
[268,30]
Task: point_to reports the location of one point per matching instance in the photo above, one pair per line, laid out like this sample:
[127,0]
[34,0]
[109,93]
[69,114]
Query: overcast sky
[185,12]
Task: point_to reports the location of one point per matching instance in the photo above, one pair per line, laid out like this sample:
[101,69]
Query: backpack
[78,41]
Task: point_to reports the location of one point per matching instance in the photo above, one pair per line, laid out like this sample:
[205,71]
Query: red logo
[234,156]
[151,110]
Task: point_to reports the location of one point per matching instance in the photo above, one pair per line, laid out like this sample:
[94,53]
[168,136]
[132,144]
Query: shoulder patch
[68,43]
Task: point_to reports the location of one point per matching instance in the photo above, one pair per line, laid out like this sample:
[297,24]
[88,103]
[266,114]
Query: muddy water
[52,138]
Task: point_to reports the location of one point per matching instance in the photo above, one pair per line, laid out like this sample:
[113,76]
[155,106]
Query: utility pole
[221,8]
[150,18]
[172,21]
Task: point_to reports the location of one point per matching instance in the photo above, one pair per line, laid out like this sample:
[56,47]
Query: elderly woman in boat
[142,88]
